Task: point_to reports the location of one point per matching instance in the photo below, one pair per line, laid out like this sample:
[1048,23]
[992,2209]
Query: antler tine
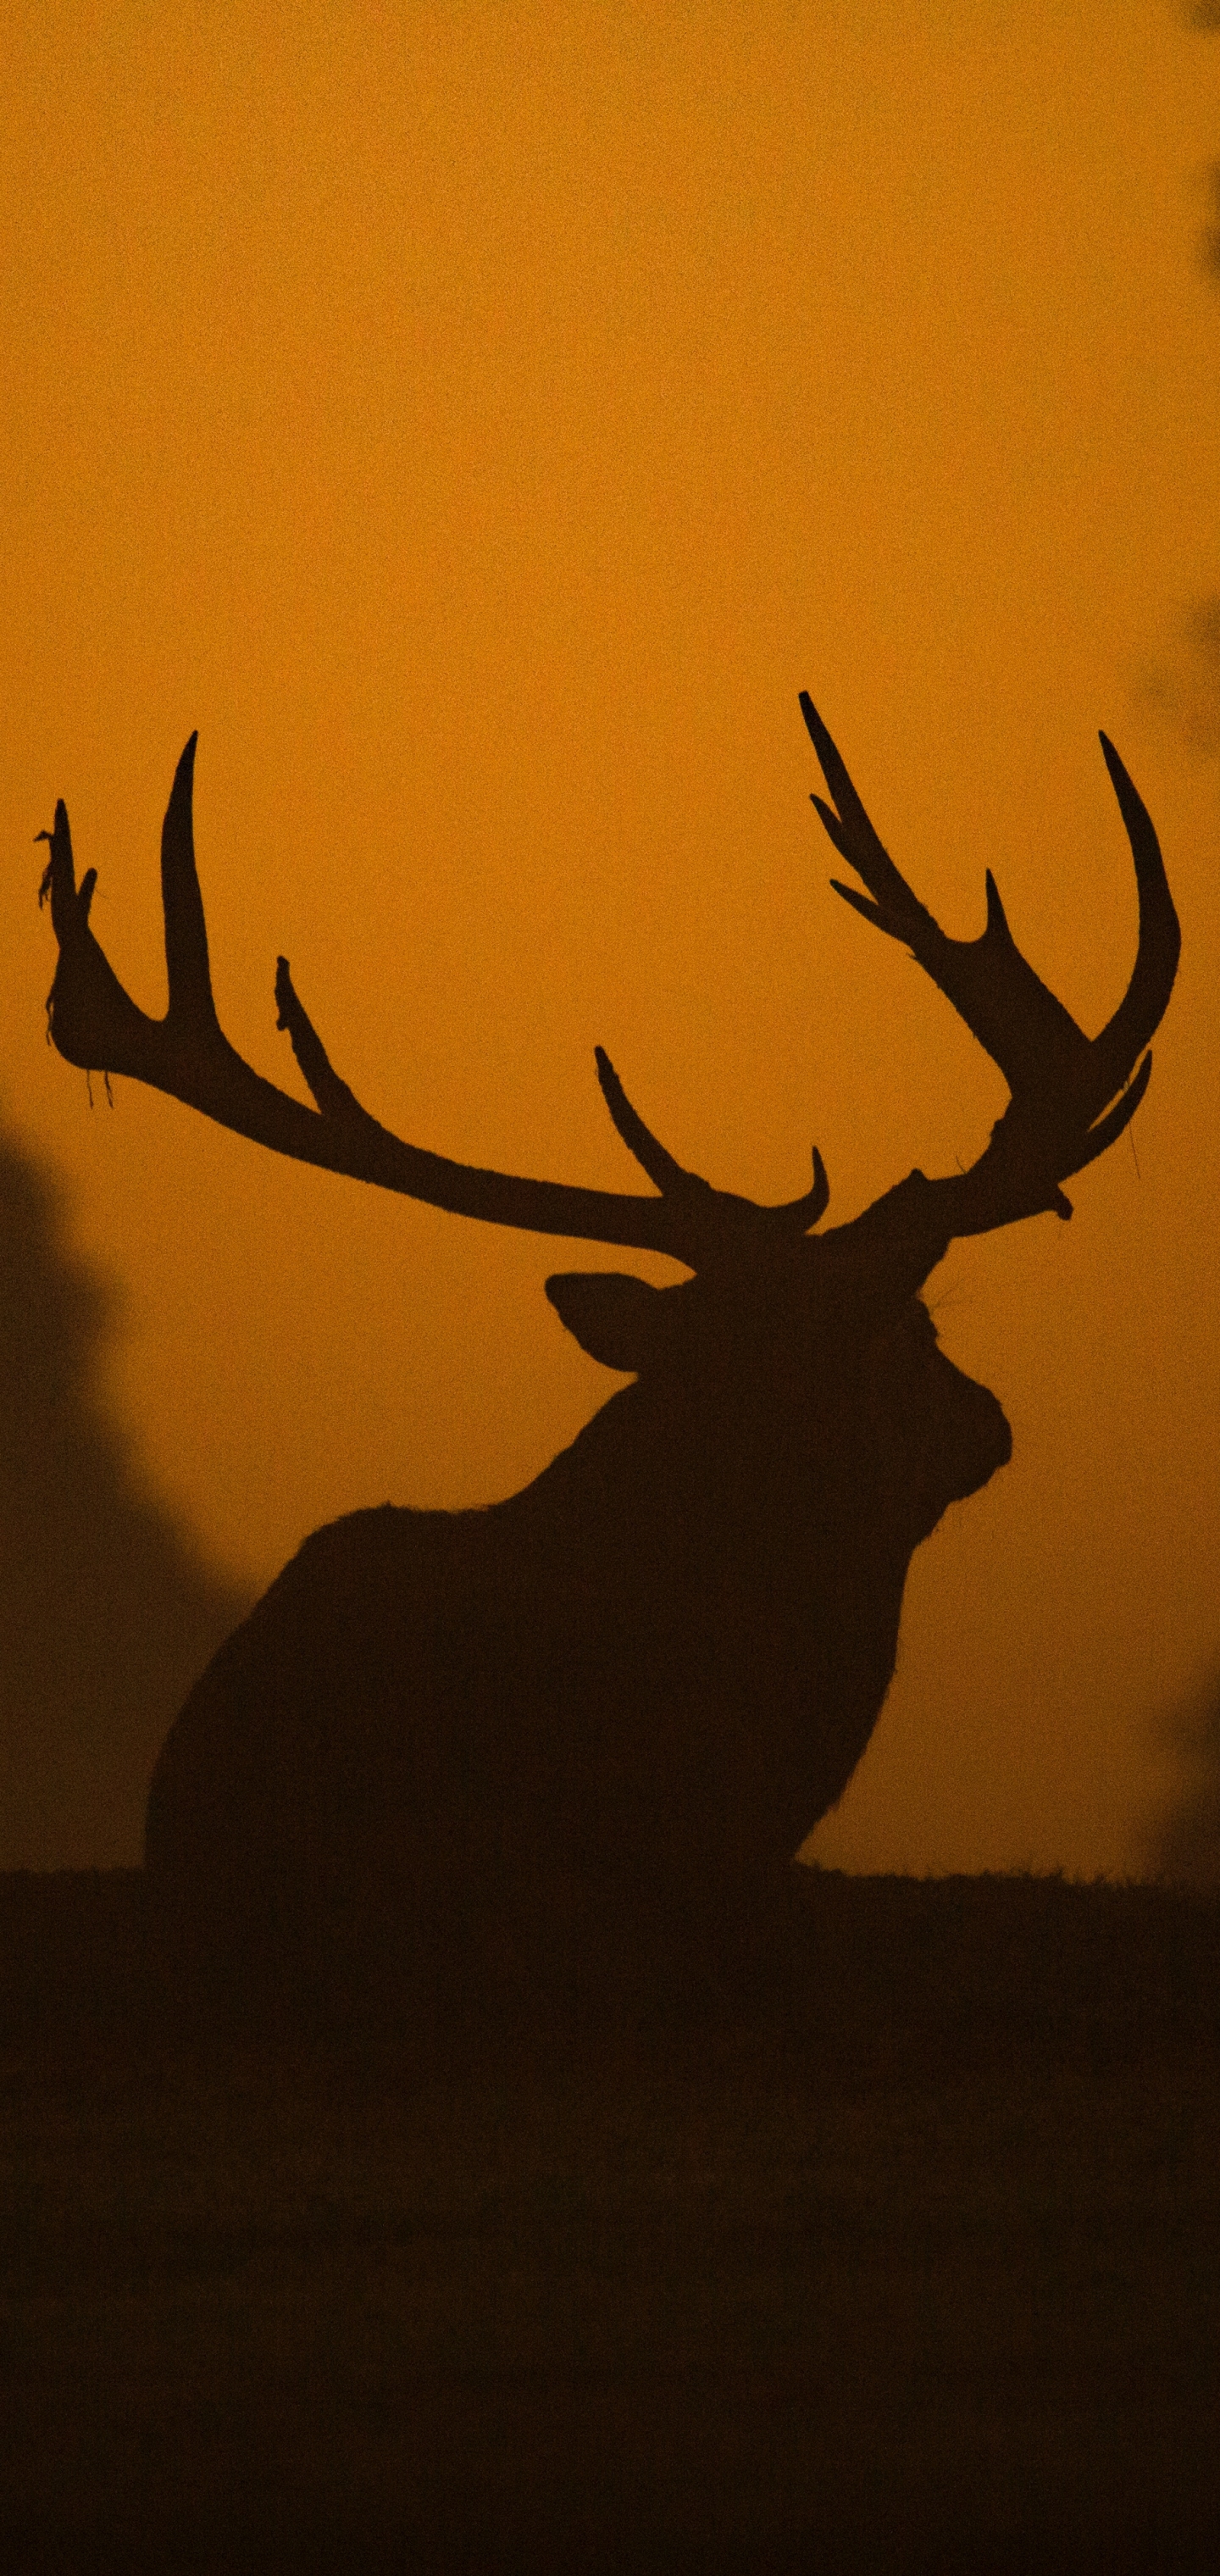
[794,1216]
[652,1157]
[186,932]
[896,910]
[95,1024]
[1143,1005]
[1022,1025]
[1060,1081]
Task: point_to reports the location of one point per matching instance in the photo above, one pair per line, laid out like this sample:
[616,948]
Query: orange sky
[480,421]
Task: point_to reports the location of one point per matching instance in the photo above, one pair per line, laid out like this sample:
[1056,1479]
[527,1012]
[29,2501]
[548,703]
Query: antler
[1060,1117]
[96,1025]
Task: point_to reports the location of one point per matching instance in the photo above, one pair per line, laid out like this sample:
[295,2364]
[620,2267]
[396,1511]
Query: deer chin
[982,1441]
[939,1435]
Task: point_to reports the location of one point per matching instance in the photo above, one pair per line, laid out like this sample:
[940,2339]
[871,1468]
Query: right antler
[96,1025]
[1059,1118]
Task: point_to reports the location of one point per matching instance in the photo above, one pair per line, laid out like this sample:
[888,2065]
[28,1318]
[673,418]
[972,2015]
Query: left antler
[95,1024]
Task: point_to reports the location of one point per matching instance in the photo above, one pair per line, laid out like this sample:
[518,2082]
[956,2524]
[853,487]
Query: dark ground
[909,2260]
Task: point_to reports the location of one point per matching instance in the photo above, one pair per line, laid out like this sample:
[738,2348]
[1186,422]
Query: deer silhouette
[599,1717]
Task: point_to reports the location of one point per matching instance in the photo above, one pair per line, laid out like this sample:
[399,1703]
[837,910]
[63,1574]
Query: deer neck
[731,1547]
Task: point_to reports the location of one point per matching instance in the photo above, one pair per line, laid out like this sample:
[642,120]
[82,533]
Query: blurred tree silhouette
[1186,1843]
[107,1611]
[1188,686]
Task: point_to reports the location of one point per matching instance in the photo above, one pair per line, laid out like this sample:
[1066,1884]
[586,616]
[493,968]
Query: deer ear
[614,1317]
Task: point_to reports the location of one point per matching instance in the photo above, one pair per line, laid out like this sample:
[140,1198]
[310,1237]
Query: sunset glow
[480,422]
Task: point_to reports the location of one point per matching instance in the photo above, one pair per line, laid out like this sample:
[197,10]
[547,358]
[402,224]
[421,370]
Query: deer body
[609,1708]
[620,1698]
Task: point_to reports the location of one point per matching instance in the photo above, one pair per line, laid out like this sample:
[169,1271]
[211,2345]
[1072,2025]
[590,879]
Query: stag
[608,1709]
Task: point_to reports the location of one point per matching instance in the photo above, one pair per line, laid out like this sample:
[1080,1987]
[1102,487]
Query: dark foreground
[909,2259]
